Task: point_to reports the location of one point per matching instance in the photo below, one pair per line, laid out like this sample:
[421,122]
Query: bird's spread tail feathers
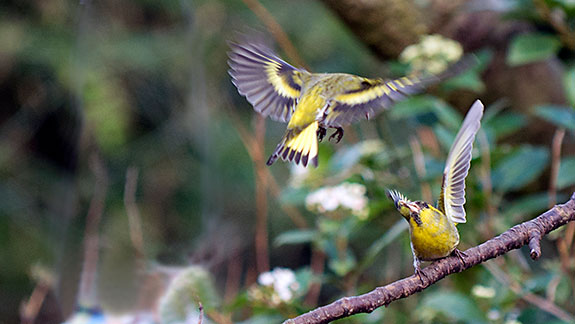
[298,146]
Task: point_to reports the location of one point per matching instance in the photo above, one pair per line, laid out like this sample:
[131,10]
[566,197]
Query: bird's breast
[307,108]
[435,237]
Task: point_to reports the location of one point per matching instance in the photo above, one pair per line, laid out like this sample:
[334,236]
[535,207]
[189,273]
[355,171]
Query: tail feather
[300,147]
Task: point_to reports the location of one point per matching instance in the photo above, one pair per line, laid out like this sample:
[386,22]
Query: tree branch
[529,232]
[386,26]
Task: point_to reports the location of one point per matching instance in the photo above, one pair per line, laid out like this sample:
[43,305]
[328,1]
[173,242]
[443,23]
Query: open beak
[413,208]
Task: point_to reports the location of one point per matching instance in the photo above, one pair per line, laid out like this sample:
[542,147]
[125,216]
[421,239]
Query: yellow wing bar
[271,85]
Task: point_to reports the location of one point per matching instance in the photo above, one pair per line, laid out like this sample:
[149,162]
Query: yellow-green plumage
[435,237]
[314,101]
[433,231]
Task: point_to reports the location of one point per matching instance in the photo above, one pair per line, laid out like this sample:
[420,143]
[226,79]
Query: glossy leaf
[295,237]
[561,116]
[519,168]
[529,48]
[457,306]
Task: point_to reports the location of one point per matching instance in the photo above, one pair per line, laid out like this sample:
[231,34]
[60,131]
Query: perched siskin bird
[312,102]
[433,230]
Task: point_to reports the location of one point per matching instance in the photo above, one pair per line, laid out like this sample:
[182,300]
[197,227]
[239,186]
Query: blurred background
[133,185]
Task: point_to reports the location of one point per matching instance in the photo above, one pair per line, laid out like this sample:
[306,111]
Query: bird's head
[406,207]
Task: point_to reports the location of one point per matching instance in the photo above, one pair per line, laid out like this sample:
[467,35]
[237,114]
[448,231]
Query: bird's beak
[413,208]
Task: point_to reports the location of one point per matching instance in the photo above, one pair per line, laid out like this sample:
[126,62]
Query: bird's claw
[421,275]
[338,134]
[460,254]
[321,133]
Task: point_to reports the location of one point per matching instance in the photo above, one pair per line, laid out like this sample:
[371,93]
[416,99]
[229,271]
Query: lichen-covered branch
[530,232]
[386,26]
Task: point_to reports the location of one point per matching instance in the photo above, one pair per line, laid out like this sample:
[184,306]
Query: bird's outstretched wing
[271,85]
[374,95]
[457,166]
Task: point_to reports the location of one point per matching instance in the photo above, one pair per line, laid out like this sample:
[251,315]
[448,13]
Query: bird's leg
[321,131]
[417,266]
[460,254]
[338,133]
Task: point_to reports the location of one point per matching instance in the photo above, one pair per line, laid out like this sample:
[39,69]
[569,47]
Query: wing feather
[375,95]
[271,85]
[457,166]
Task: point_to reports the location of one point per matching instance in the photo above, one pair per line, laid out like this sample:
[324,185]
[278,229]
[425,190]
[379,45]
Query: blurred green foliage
[144,84]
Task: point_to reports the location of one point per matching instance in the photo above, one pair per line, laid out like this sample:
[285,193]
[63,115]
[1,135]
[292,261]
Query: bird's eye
[365,84]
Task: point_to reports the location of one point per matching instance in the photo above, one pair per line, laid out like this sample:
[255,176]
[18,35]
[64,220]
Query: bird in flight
[433,231]
[312,102]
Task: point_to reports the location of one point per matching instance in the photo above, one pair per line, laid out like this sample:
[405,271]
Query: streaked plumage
[433,230]
[312,102]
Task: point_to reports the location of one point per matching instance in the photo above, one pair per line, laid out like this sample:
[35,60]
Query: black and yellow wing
[457,166]
[271,85]
[370,96]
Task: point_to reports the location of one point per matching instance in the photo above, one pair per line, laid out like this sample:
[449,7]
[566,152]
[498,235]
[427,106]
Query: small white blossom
[483,291]
[347,195]
[513,321]
[299,174]
[493,315]
[283,282]
[432,54]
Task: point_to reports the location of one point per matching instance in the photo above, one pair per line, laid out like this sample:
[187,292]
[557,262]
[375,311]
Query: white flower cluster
[282,281]
[483,291]
[432,54]
[347,195]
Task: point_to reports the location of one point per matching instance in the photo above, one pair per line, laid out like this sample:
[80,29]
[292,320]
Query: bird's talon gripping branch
[306,100]
[460,254]
[321,133]
[432,230]
[338,134]
[421,275]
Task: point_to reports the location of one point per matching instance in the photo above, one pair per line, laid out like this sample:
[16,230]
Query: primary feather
[457,166]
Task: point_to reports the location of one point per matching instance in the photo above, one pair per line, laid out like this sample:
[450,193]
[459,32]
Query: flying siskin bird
[312,102]
[433,230]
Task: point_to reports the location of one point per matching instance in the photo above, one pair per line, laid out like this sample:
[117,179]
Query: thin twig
[31,308]
[512,239]
[487,186]
[566,34]
[261,239]
[535,300]
[132,211]
[317,267]
[248,139]
[276,30]
[201,317]
[555,164]
[87,291]
[419,162]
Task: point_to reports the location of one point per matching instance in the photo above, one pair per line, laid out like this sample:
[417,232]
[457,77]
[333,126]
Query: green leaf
[561,116]
[519,168]
[469,80]
[527,205]
[457,306]
[566,176]
[444,136]
[412,106]
[505,124]
[263,319]
[376,247]
[528,48]
[446,114]
[295,237]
